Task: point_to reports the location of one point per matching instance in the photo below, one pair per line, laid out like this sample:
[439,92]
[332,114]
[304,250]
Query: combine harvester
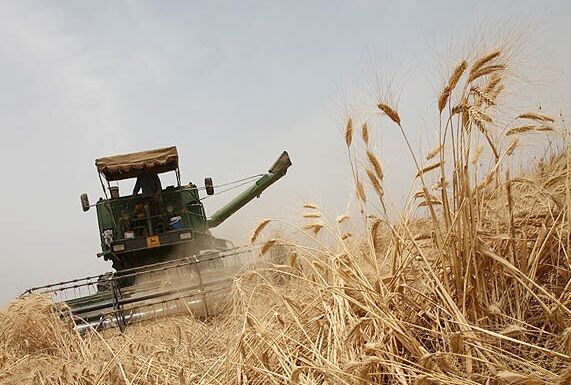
[166,261]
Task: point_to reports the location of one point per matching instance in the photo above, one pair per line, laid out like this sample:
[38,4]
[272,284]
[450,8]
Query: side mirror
[84,202]
[209,186]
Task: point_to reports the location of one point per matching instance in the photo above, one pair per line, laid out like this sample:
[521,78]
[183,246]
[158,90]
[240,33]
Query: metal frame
[102,176]
[118,306]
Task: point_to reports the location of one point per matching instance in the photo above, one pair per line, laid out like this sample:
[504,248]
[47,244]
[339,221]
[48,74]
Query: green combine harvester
[159,242]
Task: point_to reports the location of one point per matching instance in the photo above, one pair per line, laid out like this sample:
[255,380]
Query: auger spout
[278,170]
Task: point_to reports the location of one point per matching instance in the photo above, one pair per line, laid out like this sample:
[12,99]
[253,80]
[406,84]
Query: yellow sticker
[153,241]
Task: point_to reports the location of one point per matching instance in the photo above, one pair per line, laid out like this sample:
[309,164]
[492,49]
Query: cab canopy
[132,165]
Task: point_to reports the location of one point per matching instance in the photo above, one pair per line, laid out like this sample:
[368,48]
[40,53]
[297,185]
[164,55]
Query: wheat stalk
[349,132]
[429,168]
[513,145]
[390,112]
[483,95]
[431,201]
[536,116]
[375,233]
[375,164]
[460,108]
[341,218]
[520,129]
[486,71]
[478,64]
[545,128]
[444,96]
[365,133]
[375,182]
[259,229]
[315,228]
[268,245]
[441,184]
[493,83]
[361,192]
[435,151]
[452,82]
[565,377]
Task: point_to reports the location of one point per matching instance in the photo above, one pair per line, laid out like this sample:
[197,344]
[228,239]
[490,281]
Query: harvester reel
[199,284]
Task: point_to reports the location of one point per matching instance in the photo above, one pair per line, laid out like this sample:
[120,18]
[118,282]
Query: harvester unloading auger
[165,258]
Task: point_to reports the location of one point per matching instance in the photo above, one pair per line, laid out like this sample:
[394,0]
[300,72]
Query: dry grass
[476,289]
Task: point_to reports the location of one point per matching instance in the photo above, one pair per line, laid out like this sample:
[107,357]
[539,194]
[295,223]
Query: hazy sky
[231,84]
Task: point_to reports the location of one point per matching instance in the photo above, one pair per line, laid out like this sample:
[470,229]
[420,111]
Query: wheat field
[468,284]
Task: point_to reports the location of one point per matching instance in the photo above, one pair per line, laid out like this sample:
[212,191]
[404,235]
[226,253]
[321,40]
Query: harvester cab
[156,225]
[159,241]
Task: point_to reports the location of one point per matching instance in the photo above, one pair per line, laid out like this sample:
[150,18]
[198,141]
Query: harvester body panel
[145,226]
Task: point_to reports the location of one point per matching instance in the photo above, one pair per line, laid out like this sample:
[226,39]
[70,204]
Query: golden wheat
[511,148]
[444,96]
[483,95]
[311,215]
[258,230]
[486,71]
[361,192]
[315,228]
[478,64]
[375,182]
[268,245]
[342,218]
[435,151]
[474,289]
[520,129]
[536,116]
[428,168]
[375,164]
[390,112]
[365,133]
[349,132]
[452,82]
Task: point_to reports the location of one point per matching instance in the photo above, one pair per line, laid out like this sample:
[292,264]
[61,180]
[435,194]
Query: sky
[232,85]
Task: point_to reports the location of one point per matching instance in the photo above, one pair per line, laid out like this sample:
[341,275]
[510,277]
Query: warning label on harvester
[153,241]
